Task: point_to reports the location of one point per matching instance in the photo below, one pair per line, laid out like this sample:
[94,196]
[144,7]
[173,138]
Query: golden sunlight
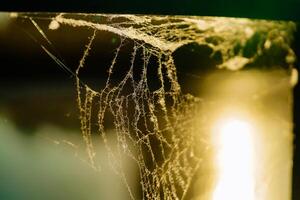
[235,161]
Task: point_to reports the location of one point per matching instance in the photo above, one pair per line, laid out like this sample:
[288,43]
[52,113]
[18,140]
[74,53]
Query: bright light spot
[249,32]
[294,77]
[13,15]
[235,63]
[235,161]
[53,25]
[267,44]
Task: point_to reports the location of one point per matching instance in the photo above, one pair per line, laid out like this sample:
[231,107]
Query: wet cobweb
[147,92]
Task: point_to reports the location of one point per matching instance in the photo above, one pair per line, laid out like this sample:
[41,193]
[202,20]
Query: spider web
[159,129]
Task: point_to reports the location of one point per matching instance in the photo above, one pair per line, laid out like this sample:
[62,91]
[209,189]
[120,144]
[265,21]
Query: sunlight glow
[235,161]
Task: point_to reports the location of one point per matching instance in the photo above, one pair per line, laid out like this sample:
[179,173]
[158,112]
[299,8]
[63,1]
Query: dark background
[269,9]
[19,66]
